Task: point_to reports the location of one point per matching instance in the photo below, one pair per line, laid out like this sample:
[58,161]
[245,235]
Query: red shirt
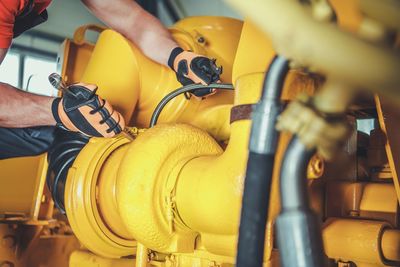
[9,9]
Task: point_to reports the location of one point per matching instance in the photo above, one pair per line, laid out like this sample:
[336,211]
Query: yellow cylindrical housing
[355,240]
[209,189]
[90,200]
[391,245]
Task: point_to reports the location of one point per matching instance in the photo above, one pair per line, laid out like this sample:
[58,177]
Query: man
[27,120]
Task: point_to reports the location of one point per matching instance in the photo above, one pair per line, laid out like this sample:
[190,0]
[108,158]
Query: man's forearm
[131,20]
[22,109]
[152,37]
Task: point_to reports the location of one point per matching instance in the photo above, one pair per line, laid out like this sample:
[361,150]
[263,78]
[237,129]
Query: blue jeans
[21,142]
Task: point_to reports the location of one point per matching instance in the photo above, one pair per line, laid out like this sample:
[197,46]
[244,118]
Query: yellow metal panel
[21,185]
[254,52]
[215,37]
[379,198]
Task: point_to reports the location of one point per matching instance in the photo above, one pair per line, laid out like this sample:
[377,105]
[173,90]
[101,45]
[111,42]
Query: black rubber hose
[61,155]
[254,211]
[257,184]
[298,227]
[182,90]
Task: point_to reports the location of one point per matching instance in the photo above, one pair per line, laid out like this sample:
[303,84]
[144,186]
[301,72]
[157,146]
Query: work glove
[192,68]
[80,109]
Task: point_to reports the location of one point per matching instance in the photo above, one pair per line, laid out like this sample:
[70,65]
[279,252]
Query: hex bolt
[201,39]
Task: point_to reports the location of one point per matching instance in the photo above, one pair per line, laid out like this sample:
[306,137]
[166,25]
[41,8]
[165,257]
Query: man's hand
[193,68]
[82,110]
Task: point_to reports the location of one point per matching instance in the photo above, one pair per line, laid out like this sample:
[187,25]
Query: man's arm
[3,53]
[130,19]
[21,109]
[155,41]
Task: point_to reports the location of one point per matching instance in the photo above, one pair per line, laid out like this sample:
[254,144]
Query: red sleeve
[8,11]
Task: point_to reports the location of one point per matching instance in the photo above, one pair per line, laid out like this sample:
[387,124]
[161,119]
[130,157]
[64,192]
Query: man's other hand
[193,68]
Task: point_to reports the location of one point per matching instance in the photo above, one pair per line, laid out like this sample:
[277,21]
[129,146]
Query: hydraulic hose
[61,156]
[257,184]
[182,90]
[298,228]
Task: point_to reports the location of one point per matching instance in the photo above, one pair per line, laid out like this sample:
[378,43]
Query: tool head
[56,81]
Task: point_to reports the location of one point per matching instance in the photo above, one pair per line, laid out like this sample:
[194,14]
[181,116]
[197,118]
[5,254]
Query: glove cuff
[174,53]
[54,110]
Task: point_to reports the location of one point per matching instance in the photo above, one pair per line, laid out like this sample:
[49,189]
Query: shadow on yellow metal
[21,186]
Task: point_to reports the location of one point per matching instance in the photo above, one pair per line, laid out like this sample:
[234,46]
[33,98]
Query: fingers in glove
[106,122]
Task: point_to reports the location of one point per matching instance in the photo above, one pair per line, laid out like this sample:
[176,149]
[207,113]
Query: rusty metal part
[241,112]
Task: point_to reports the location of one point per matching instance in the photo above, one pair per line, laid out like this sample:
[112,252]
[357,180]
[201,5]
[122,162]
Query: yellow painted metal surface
[373,200]
[158,152]
[85,208]
[391,245]
[127,73]
[34,245]
[379,198]
[355,240]
[172,196]
[21,186]
[176,179]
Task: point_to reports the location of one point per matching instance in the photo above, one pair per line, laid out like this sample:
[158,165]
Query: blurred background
[33,55]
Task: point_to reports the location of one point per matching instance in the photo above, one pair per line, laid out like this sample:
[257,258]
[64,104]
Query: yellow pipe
[145,189]
[130,193]
[164,181]
[391,245]
[219,180]
[173,161]
[357,240]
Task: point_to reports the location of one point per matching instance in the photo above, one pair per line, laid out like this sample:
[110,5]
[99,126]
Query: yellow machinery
[172,196]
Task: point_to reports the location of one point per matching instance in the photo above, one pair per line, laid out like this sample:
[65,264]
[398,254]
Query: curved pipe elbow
[298,228]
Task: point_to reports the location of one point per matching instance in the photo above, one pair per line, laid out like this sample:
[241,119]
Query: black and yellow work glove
[80,109]
[193,68]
